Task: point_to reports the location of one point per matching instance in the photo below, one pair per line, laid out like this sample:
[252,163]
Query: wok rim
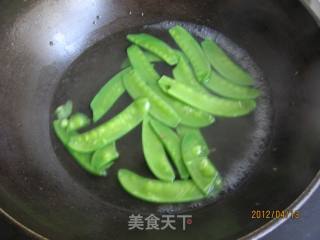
[256,234]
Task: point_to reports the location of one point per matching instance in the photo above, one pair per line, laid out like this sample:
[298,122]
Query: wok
[52,51]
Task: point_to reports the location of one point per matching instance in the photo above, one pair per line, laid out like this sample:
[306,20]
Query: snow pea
[140,63]
[155,154]
[160,109]
[202,171]
[150,56]
[186,114]
[111,130]
[156,191]
[225,88]
[108,95]
[83,159]
[65,110]
[184,73]
[203,146]
[193,51]
[224,64]
[104,157]
[77,121]
[191,116]
[172,143]
[209,103]
[156,46]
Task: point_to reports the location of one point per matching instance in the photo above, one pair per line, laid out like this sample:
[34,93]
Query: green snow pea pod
[172,143]
[64,111]
[209,103]
[191,116]
[111,130]
[155,154]
[160,109]
[77,121]
[156,46]
[83,159]
[186,114]
[150,56]
[184,73]
[104,157]
[202,171]
[225,88]
[225,65]
[108,95]
[156,191]
[141,65]
[193,51]
[203,146]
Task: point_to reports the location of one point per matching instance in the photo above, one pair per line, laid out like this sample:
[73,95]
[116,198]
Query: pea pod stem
[78,121]
[208,103]
[108,95]
[111,130]
[154,45]
[155,154]
[156,191]
[64,111]
[224,64]
[172,143]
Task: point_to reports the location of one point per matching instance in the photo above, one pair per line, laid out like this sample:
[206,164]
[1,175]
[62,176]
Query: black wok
[51,51]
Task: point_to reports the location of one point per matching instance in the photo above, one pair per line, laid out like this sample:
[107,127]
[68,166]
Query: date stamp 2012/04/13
[275,214]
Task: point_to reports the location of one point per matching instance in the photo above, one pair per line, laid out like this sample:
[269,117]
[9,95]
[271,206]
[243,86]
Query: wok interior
[53,52]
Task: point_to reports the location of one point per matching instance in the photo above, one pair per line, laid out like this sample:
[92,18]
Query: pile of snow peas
[205,83]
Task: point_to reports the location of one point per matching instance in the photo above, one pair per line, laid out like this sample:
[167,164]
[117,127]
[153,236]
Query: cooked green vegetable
[77,121]
[184,130]
[108,95]
[172,143]
[202,171]
[150,56]
[193,51]
[64,111]
[183,73]
[154,45]
[225,88]
[186,114]
[104,157]
[155,154]
[225,65]
[111,130]
[141,65]
[160,109]
[158,191]
[172,111]
[209,103]
[83,159]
